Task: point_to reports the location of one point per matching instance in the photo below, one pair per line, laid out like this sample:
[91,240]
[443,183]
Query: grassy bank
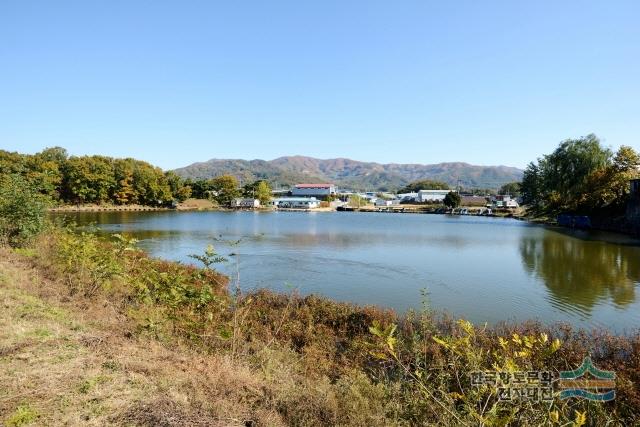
[100,333]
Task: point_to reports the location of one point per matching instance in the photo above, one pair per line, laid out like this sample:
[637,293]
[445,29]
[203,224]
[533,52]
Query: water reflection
[582,273]
[483,269]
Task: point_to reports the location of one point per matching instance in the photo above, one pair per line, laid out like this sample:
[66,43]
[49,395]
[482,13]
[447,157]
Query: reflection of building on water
[583,273]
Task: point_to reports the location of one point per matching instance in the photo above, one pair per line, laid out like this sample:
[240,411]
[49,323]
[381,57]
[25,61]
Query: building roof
[297,199]
[314,185]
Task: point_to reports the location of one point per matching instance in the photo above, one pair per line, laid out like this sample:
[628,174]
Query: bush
[22,210]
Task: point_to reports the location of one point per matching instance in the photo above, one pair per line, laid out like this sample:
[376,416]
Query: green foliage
[94,179]
[89,179]
[452,200]
[329,363]
[579,176]
[23,415]
[260,190]
[200,189]
[225,188]
[209,257]
[22,210]
[179,189]
[356,201]
[510,188]
[150,185]
[89,263]
[263,192]
[424,184]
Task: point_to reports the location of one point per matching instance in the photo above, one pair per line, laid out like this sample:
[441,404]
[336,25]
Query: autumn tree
[89,179]
[260,190]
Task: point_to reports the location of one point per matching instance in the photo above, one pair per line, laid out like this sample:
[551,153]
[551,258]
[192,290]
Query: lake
[482,269]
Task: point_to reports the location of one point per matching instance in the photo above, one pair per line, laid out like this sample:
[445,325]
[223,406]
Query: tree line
[61,178]
[580,176]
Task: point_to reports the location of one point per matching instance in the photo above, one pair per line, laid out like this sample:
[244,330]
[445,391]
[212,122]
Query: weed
[23,415]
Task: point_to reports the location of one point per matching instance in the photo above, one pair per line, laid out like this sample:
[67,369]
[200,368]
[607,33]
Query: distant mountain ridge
[290,170]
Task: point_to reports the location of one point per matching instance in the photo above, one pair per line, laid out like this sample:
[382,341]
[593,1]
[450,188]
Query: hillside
[286,171]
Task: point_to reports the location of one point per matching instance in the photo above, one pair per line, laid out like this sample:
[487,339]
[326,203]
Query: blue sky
[486,82]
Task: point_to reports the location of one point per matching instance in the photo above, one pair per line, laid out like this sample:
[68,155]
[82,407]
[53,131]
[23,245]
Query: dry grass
[196,204]
[78,363]
[161,343]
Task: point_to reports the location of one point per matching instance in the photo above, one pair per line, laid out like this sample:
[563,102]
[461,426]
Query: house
[313,190]
[297,203]
[385,202]
[503,201]
[432,195]
[245,203]
[407,197]
[382,202]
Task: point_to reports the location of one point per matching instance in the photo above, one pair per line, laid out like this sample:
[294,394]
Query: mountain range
[353,174]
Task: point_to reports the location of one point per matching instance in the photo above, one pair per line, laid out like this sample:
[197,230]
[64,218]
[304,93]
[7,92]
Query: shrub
[22,210]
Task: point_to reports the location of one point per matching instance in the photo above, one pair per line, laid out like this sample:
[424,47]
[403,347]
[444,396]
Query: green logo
[588,382]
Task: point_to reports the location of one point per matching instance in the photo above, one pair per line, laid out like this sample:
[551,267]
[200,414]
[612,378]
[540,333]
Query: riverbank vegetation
[582,177]
[214,355]
[102,180]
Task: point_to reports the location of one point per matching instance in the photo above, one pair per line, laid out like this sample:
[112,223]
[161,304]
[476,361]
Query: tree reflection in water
[581,273]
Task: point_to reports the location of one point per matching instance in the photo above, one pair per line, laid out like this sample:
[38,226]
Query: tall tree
[260,190]
[89,179]
[579,176]
[510,188]
[225,188]
[452,200]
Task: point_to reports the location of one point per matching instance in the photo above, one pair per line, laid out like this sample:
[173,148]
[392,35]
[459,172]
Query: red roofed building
[317,190]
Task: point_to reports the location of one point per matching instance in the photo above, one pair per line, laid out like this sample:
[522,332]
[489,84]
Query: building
[386,203]
[503,201]
[432,195]
[297,203]
[408,197]
[313,190]
[245,203]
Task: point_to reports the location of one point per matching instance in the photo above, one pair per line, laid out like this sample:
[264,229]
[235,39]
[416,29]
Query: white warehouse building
[313,190]
[432,195]
[297,203]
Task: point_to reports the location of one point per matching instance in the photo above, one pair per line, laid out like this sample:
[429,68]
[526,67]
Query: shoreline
[153,321]
[199,207]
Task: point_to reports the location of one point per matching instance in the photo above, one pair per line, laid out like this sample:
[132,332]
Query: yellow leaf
[554,416]
[441,342]
[516,339]
[581,418]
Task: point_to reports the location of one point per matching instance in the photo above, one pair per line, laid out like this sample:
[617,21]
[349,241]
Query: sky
[175,82]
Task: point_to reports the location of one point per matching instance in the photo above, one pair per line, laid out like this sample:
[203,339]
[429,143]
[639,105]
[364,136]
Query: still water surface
[483,269]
